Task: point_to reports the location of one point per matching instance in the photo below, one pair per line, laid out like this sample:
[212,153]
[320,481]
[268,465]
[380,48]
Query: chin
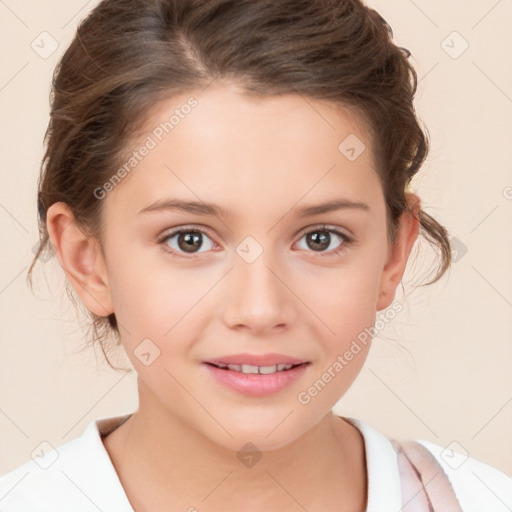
[266,431]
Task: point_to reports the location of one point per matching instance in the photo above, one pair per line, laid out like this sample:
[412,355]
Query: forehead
[226,110]
[221,145]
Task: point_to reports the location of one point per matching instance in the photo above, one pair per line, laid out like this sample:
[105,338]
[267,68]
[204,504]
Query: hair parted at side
[127,55]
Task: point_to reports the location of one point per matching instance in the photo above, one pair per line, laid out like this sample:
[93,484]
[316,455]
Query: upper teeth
[248,368]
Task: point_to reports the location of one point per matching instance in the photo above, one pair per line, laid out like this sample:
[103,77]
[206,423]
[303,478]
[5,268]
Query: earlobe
[81,259]
[394,269]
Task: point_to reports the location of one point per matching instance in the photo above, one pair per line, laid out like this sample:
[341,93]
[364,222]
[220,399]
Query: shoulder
[477,485]
[77,475]
[46,479]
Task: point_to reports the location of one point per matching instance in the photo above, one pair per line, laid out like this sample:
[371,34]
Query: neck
[165,465]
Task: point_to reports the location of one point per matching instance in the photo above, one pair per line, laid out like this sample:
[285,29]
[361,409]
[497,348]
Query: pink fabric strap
[425,485]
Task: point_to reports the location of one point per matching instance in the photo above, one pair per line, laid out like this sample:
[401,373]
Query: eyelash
[334,252]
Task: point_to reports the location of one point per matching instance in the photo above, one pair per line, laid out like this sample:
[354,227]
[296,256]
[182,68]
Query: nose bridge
[257,297]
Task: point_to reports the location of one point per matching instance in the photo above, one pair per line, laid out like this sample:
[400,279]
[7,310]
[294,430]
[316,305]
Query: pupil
[191,241]
[320,239]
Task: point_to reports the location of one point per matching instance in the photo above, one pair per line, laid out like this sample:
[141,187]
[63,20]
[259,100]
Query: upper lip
[256,360]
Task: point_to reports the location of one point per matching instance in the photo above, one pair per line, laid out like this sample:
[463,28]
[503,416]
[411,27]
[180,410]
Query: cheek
[158,302]
[347,313]
[345,300]
[348,294]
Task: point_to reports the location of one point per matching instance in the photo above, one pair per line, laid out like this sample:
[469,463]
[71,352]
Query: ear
[81,259]
[398,254]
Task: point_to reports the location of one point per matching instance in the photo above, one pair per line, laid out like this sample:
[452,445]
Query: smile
[249,368]
[256,381]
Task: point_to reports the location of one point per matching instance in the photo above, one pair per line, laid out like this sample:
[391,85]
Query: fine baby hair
[128,55]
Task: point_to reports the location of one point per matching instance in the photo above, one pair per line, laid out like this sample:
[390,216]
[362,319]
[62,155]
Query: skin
[262,158]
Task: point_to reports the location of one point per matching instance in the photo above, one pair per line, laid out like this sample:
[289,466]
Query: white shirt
[79,476]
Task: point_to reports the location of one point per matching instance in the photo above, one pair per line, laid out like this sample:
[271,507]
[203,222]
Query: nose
[258,298]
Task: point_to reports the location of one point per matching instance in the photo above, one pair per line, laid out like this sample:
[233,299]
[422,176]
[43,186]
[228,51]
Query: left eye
[320,239]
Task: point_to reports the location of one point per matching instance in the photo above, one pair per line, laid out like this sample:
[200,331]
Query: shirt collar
[384,487]
[108,487]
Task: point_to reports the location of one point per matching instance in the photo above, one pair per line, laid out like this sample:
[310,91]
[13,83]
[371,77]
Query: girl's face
[267,275]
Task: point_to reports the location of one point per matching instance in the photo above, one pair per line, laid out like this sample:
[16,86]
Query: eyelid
[303,231]
[326,227]
[181,229]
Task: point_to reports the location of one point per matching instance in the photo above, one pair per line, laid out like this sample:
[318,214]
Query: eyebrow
[202,208]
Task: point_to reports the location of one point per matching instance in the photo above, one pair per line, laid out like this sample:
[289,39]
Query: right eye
[185,241]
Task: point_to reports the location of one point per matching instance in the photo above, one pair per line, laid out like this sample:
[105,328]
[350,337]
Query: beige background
[451,381]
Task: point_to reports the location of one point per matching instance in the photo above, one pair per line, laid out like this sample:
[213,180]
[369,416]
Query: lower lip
[255,384]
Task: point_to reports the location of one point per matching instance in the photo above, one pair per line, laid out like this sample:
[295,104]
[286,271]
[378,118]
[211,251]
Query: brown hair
[127,55]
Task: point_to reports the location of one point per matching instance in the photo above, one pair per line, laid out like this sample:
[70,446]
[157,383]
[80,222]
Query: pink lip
[256,360]
[255,384]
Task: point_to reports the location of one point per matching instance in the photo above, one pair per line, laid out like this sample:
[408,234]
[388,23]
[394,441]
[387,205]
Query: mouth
[254,380]
[252,369]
